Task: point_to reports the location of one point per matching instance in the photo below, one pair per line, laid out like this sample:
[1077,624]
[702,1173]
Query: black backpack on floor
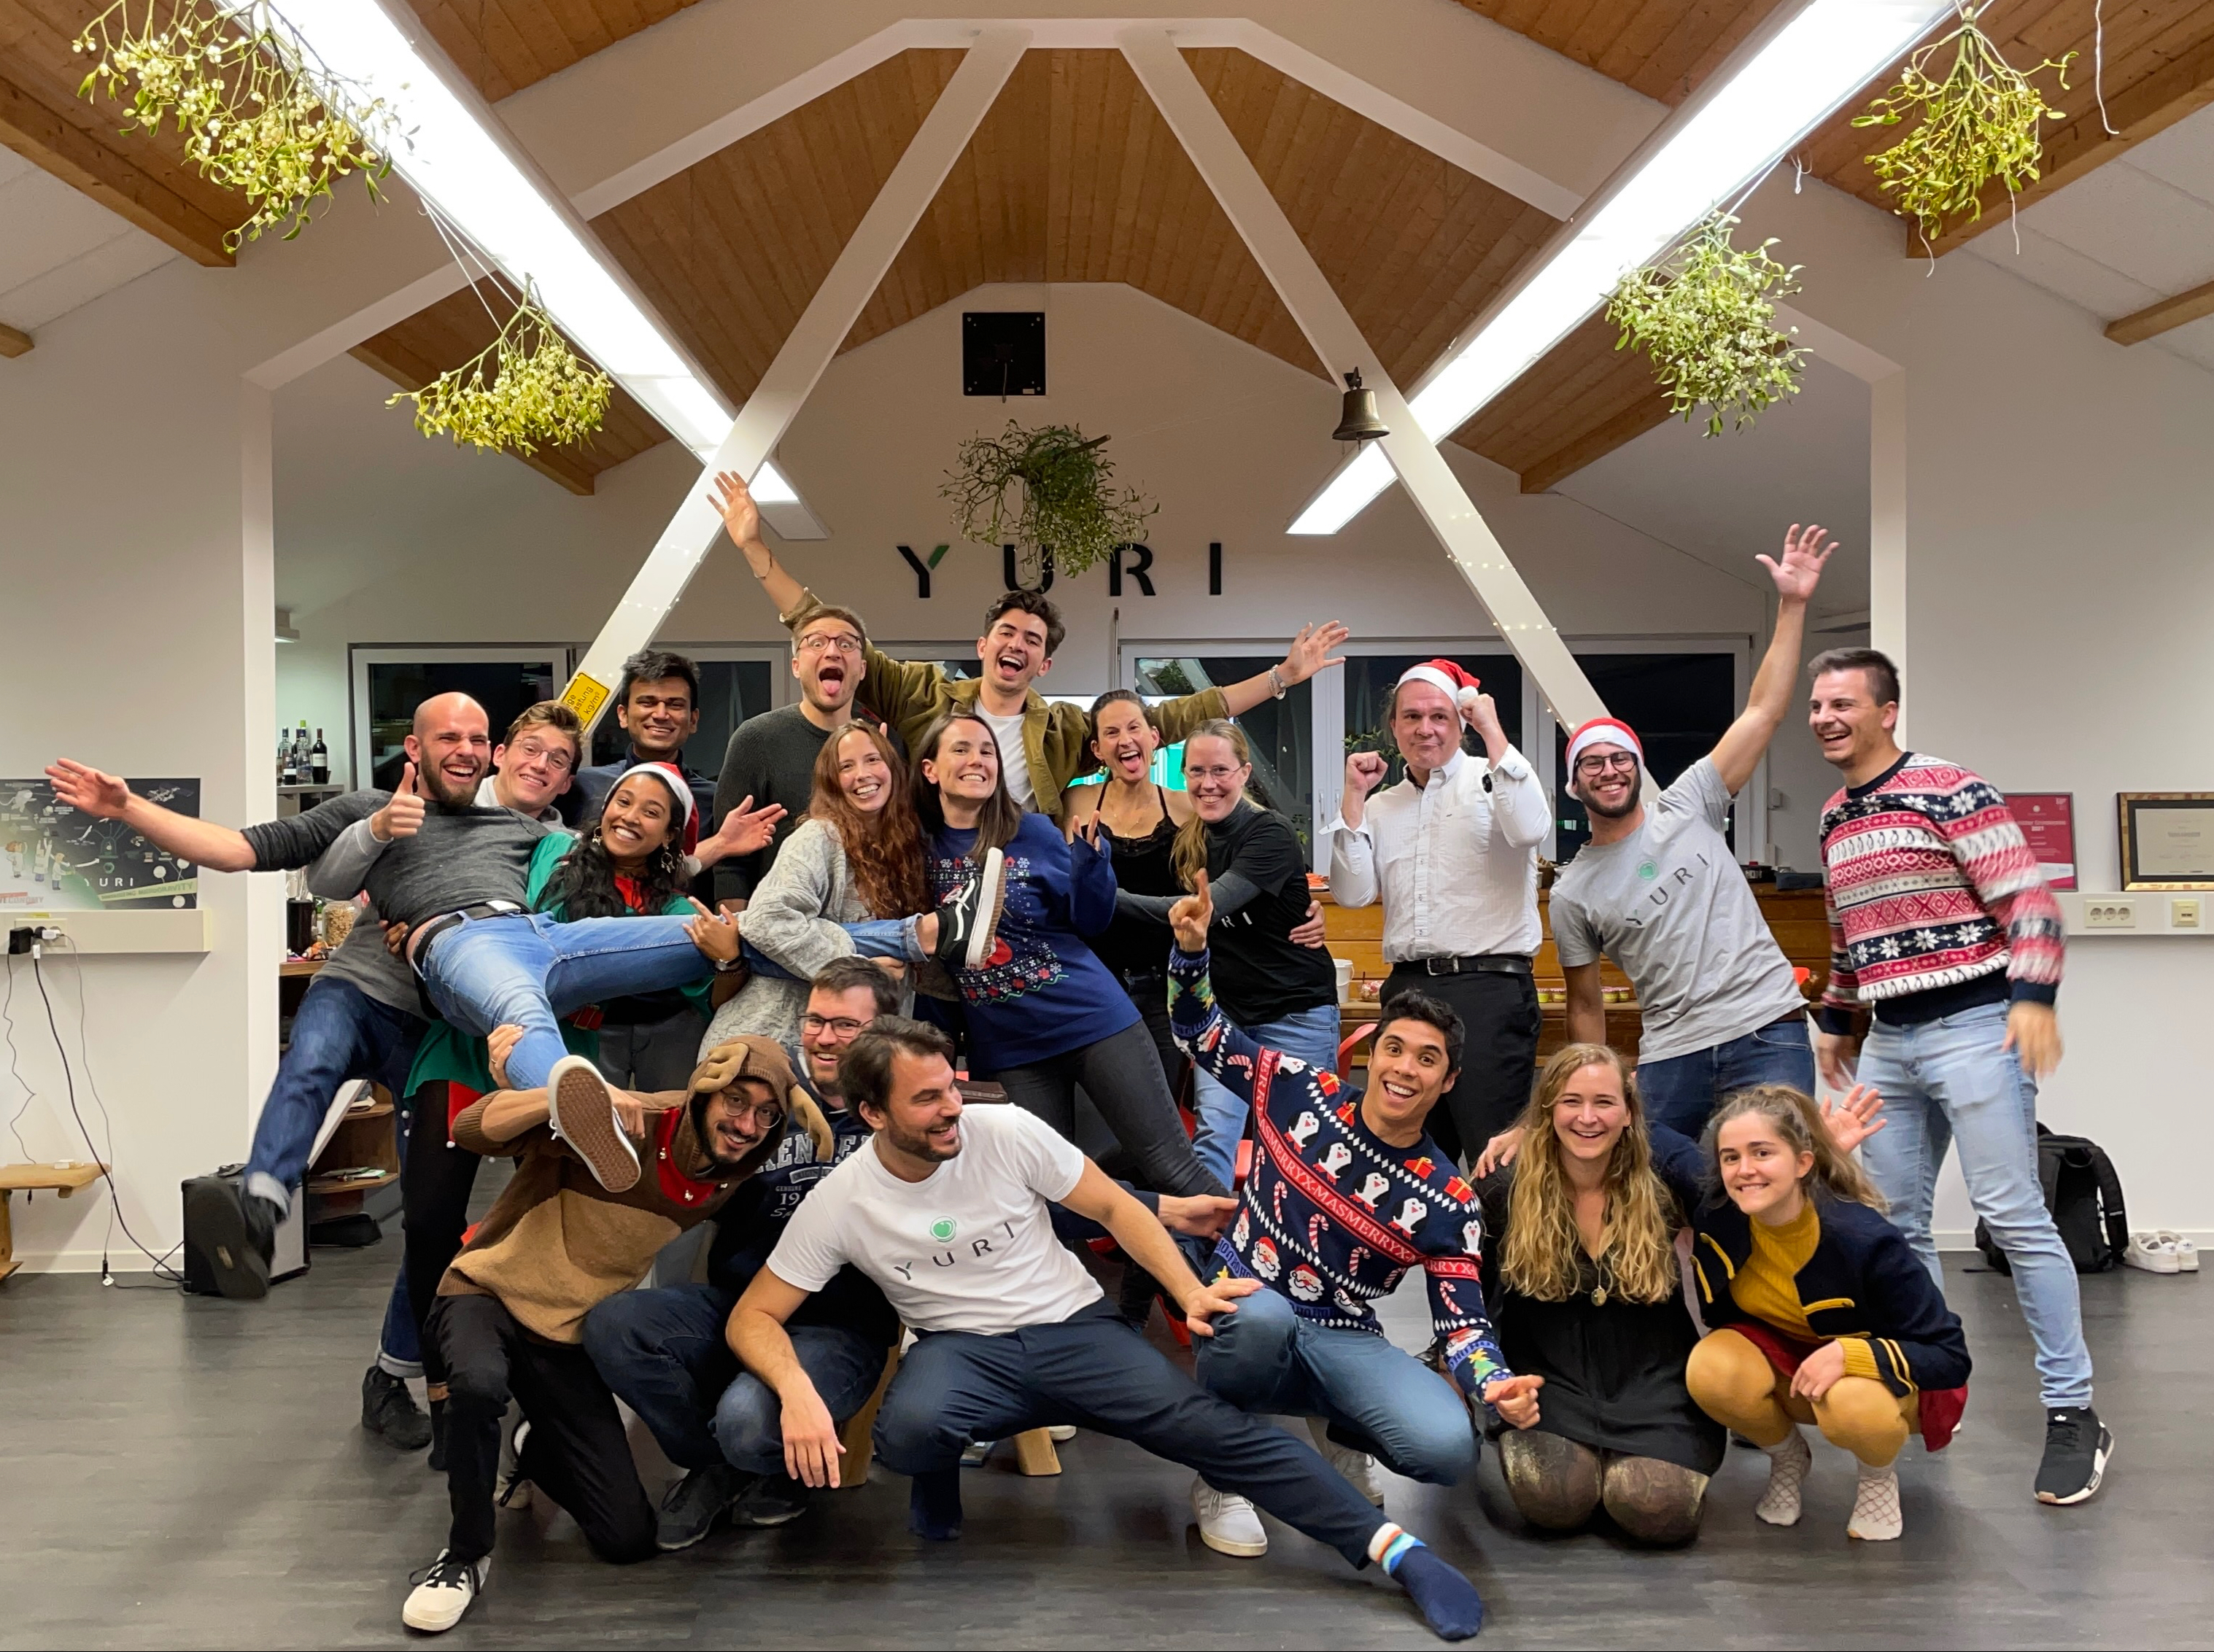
[2085,1197]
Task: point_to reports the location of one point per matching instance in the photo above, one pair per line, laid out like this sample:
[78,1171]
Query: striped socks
[1448,1601]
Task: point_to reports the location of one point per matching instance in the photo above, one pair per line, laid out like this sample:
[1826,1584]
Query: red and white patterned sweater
[1929,884]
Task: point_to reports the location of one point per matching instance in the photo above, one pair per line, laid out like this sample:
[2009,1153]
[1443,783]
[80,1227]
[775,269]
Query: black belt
[1474,964]
[421,948]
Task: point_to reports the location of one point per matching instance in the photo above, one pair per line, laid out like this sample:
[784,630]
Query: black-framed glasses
[1600,762]
[813,1026]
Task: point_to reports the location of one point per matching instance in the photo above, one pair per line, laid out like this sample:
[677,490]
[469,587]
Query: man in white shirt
[1453,851]
[948,1211]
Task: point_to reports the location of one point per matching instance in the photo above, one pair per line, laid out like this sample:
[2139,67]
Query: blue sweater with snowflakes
[1042,992]
[1333,1215]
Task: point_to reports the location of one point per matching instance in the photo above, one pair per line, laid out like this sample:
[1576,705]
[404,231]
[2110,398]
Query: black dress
[1613,1369]
[1135,949]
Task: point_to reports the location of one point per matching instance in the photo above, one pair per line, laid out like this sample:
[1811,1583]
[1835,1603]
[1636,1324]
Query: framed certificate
[2166,839]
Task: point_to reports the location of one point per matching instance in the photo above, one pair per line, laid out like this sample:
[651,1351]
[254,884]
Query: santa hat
[1602,732]
[672,777]
[1440,674]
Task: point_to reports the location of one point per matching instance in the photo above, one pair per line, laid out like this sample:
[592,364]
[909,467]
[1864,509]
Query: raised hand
[715,934]
[1801,570]
[1190,916]
[1365,771]
[1515,1399]
[403,816]
[1852,1121]
[89,790]
[1310,651]
[734,503]
[744,830]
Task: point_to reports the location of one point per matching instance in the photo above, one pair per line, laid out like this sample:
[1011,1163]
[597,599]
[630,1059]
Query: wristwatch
[1277,680]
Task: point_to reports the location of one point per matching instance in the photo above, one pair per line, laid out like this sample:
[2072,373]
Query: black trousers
[576,1452]
[436,1180]
[1499,1055]
[1122,1074]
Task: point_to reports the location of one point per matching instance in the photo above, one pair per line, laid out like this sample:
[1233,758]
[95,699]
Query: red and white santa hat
[672,777]
[1604,732]
[1440,674]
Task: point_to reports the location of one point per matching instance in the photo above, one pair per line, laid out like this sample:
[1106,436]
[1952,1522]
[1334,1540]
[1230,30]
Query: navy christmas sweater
[1333,1216]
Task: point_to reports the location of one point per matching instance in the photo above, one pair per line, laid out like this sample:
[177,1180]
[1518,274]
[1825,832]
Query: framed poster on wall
[2166,839]
[2048,820]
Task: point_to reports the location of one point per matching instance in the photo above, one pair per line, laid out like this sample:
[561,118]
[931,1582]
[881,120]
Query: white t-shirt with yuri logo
[970,1247]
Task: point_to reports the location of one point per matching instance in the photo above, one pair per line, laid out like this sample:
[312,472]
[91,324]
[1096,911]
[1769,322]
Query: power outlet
[2110,915]
[2183,915]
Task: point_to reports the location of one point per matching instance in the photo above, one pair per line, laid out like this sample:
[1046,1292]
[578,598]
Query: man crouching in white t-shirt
[947,1212]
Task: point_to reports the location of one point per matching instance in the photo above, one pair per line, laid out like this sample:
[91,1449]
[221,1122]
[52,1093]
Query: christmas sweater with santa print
[1333,1216]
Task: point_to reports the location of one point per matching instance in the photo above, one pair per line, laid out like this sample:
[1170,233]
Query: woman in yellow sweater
[1821,1313]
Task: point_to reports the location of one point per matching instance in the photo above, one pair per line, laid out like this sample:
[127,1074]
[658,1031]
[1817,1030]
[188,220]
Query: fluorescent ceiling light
[1741,128]
[462,167]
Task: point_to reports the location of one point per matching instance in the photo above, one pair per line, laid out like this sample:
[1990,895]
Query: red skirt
[1940,1409]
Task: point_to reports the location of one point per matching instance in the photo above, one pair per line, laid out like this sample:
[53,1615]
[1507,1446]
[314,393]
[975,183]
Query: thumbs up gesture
[403,816]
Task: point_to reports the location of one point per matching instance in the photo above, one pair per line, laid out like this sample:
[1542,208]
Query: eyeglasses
[1191,773]
[769,1113]
[821,643]
[1599,763]
[844,1027]
[533,751]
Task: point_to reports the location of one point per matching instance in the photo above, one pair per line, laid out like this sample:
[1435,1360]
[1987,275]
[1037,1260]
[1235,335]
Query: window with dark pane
[731,691]
[502,688]
[1679,704]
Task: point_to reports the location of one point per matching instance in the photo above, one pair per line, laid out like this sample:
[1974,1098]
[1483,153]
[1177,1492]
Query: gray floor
[184,1473]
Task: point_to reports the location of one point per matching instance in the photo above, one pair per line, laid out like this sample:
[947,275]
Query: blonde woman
[1822,1314]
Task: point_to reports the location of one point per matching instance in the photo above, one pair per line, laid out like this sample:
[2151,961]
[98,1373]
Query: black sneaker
[437,1463]
[693,1504]
[444,1590]
[387,1408]
[240,1231]
[771,1500]
[970,919]
[2076,1448]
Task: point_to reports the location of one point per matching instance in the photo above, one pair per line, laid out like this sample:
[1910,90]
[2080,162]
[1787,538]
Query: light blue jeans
[1381,1399]
[1311,1035]
[528,971]
[891,937]
[1952,1081]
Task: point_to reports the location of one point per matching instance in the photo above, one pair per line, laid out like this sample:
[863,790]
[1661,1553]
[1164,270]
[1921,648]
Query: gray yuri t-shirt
[1672,908]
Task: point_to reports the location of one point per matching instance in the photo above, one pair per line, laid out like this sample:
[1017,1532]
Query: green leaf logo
[1648,871]
[942,1229]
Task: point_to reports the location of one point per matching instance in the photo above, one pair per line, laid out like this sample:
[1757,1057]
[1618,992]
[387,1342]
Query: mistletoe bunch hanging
[1049,489]
[1978,123]
[539,389]
[1703,314]
[258,112]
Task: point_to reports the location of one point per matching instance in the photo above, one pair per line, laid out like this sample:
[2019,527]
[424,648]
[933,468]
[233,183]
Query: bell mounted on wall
[1360,422]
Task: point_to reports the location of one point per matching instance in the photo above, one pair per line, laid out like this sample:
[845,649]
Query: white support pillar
[1322,316]
[829,316]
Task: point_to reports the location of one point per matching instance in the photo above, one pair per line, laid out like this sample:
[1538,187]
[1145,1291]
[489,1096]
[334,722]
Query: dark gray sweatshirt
[460,856]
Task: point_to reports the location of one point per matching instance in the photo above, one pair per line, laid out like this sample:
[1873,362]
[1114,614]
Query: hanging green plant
[1703,312]
[258,113]
[1978,123]
[539,389]
[1046,489]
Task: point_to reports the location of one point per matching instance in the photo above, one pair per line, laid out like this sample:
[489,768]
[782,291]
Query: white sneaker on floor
[1062,1433]
[1358,1467]
[1787,1464]
[2151,1252]
[444,1591]
[2187,1253]
[1228,1522]
[583,1115]
[1876,1517]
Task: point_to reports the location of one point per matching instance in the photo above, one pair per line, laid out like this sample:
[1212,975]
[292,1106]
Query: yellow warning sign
[585,695]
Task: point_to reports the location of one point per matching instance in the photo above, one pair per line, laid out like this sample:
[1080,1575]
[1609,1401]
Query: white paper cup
[1344,980]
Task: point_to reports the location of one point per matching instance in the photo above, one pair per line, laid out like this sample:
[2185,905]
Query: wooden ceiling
[1072,176]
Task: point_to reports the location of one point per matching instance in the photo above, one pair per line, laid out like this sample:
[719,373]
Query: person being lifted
[1043,746]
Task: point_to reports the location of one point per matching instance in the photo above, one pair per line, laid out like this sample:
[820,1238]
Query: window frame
[360,656]
[783,688]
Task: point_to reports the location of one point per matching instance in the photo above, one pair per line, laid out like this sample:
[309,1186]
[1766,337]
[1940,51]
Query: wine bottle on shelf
[288,767]
[319,761]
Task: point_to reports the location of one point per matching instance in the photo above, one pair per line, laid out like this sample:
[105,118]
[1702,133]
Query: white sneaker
[2151,1252]
[2187,1253]
[1358,1467]
[584,1115]
[511,1489]
[1062,1433]
[1787,1464]
[444,1591]
[1227,1524]
[1876,1517]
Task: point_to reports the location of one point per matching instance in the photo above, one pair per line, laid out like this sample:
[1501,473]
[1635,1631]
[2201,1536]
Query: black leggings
[1122,1074]
[435,1181]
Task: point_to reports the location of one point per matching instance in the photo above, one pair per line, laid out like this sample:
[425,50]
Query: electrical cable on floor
[169,1276]
[15,1060]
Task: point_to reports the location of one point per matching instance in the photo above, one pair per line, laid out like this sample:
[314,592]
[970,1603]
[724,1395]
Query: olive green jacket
[912,695]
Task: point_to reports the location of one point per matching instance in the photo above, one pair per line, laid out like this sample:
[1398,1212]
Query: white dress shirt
[1455,863]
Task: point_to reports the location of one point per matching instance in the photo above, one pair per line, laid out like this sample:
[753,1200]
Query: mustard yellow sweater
[1767,1287]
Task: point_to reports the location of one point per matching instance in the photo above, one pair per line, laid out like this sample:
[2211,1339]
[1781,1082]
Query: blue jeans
[1093,1370]
[526,970]
[1311,1035]
[340,1034]
[892,938]
[1681,1091]
[663,1354]
[1265,1358]
[1952,1081]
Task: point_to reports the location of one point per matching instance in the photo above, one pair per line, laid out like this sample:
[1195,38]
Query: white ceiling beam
[829,316]
[1330,328]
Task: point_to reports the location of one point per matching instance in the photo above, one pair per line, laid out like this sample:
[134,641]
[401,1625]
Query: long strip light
[1788,86]
[453,159]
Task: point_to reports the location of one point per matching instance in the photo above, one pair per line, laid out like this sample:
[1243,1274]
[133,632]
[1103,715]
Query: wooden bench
[64,1179]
